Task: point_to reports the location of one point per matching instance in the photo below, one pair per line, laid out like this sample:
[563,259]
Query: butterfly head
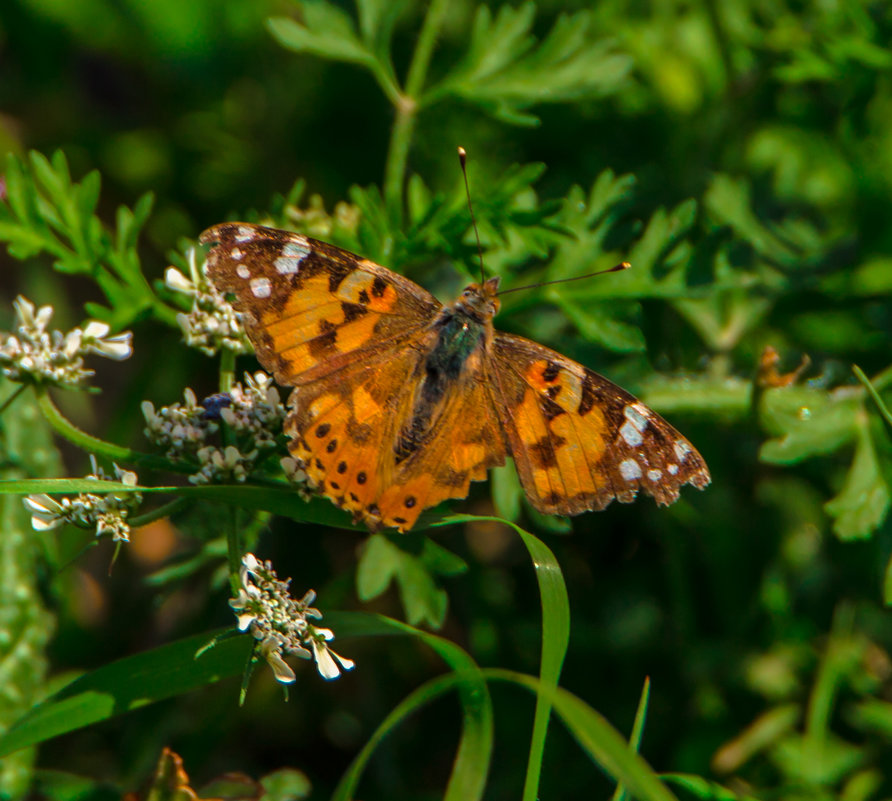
[480,300]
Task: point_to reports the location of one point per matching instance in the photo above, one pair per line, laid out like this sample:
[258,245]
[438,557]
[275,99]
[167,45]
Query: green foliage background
[739,154]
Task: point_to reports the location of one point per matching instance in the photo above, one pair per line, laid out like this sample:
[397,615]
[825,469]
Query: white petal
[96,330]
[244,621]
[347,664]
[327,667]
[117,347]
[281,669]
[43,504]
[177,281]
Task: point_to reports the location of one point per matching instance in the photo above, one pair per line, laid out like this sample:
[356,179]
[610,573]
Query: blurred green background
[759,135]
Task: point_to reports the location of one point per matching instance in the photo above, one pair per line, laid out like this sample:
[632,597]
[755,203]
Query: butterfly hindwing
[578,440]
[310,307]
[356,433]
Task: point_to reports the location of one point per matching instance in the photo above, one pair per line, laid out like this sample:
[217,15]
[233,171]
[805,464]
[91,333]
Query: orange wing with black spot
[311,308]
[346,433]
[579,440]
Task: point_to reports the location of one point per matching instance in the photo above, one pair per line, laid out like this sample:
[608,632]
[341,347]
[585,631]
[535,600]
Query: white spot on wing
[654,475]
[242,272]
[298,246]
[682,449]
[631,434]
[236,254]
[629,469]
[636,414]
[292,255]
[244,234]
[672,468]
[261,287]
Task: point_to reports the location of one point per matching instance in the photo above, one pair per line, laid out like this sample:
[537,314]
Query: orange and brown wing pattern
[578,440]
[310,308]
[347,430]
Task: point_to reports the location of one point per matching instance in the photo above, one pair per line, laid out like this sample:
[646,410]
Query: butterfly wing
[578,440]
[350,434]
[311,308]
[352,338]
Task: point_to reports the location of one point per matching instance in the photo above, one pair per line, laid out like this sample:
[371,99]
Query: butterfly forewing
[578,440]
[308,307]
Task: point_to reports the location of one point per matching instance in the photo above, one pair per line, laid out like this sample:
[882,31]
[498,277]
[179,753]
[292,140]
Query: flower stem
[165,510]
[234,550]
[100,447]
[406,111]
[227,369]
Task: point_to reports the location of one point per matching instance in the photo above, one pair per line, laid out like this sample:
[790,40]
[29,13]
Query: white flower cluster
[181,428]
[34,353]
[253,413]
[212,324]
[279,623]
[108,512]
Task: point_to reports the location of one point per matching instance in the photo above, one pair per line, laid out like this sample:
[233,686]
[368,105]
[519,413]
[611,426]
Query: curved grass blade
[620,793]
[128,684]
[555,640]
[472,759]
[603,743]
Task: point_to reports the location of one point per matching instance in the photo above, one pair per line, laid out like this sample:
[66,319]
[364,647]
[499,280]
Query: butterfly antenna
[462,159]
[615,269]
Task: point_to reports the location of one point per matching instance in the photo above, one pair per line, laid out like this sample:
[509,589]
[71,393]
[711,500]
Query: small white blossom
[107,513]
[181,428]
[253,414]
[35,354]
[212,323]
[220,466]
[265,607]
[47,513]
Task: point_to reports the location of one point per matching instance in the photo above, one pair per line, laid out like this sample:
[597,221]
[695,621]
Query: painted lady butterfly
[400,402]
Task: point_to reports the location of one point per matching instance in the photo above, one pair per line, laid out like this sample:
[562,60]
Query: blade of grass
[620,793]
[555,640]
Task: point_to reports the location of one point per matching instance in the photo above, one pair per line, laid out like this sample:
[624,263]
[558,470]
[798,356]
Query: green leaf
[603,743]
[384,561]
[326,32]
[809,422]
[378,564]
[286,784]
[555,639]
[699,787]
[128,684]
[863,503]
[471,766]
[599,323]
[377,19]
[507,493]
[506,71]
[620,793]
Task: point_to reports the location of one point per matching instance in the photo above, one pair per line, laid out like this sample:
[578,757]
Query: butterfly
[400,402]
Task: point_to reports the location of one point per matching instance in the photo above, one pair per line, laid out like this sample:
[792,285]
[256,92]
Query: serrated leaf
[506,70]
[441,561]
[377,19]
[326,32]
[863,503]
[383,561]
[377,566]
[599,322]
[809,422]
